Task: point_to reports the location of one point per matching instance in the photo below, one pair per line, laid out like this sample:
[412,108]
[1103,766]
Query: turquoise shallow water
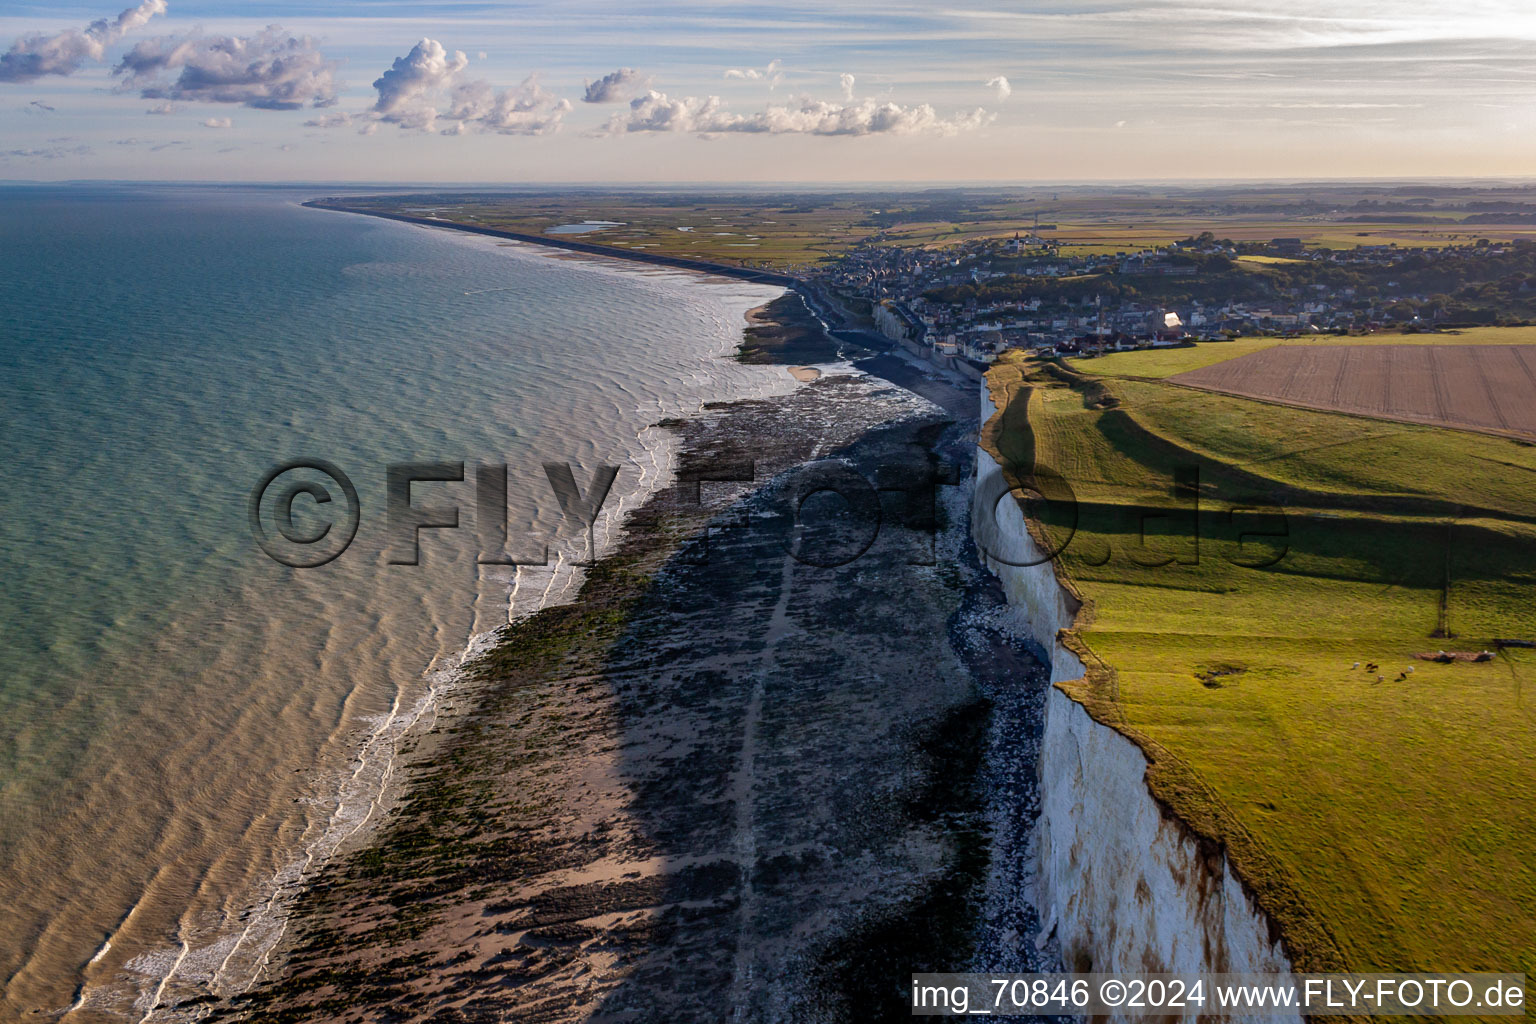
[180,716]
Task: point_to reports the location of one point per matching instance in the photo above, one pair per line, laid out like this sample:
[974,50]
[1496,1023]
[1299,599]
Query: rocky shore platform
[777,757]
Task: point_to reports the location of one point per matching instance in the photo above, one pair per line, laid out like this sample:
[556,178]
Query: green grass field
[1383,817]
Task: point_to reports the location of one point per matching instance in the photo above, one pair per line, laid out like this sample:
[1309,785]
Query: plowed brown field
[1478,387]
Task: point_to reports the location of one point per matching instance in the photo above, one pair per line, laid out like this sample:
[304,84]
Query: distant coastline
[679,262]
[837,322]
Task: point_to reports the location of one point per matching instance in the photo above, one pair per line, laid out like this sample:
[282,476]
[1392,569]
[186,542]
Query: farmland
[1260,583]
[799,228]
[1167,362]
[1479,387]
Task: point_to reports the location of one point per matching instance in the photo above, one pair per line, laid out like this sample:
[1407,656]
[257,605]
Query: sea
[212,641]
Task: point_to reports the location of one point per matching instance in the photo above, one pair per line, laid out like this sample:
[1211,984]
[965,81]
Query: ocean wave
[228,958]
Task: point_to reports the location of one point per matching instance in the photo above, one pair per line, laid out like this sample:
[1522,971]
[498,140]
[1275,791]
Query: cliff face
[1125,885]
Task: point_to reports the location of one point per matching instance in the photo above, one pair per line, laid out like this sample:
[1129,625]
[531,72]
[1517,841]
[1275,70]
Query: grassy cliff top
[1244,566]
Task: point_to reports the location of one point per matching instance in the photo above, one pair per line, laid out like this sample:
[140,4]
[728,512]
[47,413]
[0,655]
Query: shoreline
[572,245]
[654,538]
[244,956]
[836,321]
[404,728]
[262,928]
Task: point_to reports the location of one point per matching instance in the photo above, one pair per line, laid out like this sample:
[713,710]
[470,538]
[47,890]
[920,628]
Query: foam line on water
[360,794]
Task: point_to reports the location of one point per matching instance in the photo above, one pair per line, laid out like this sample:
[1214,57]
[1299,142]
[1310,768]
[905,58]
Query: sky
[686,91]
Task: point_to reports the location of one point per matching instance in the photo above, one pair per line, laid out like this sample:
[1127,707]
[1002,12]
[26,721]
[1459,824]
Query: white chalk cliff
[1126,886]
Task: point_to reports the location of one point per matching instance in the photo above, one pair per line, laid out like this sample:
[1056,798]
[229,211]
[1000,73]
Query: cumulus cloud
[770,74]
[218,122]
[1000,85]
[407,88]
[530,109]
[614,87]
[846,81]
[269,70]
[162,108]
[657,112]
[413,93]
[63,53]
